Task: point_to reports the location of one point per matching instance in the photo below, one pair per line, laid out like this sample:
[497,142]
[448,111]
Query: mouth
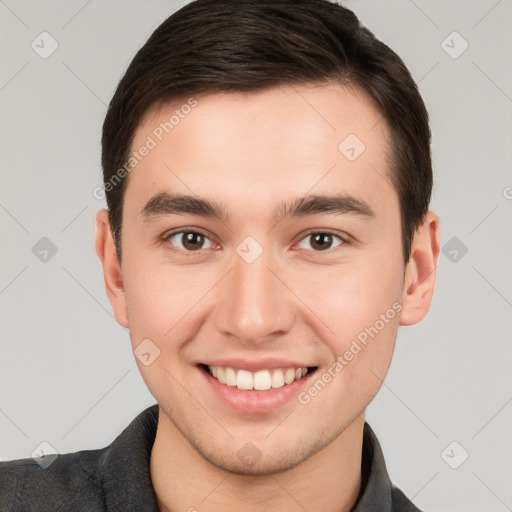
[261,380]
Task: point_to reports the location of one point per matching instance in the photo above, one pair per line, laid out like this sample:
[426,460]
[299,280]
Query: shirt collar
[127,482]
[376,487]
[128,486]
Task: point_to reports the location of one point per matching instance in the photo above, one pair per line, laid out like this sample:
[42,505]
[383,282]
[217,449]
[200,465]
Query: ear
[112,274]
[420,275]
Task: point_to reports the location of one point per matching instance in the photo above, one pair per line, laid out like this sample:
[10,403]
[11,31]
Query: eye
[190,241]
[320,241]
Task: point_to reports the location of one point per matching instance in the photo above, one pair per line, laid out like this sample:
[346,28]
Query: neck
[183,480]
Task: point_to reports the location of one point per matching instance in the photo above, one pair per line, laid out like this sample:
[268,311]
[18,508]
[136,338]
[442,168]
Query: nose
[253,303]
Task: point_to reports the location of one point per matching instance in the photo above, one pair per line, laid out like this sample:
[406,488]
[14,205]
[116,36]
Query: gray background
[68,375]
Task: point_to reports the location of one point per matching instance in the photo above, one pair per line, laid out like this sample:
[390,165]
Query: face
[261,235]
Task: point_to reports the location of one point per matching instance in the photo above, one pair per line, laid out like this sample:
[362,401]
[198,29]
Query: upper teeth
[259,381]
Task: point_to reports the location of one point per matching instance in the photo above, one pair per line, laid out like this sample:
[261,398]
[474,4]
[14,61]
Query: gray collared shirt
[117,478]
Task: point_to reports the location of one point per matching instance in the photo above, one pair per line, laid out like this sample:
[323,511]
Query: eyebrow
[165,203]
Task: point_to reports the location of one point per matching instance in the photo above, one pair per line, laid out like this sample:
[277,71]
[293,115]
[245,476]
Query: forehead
[289,140]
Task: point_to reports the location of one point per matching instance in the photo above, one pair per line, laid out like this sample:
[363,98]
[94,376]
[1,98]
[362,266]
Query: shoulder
[116,477]
[65,483]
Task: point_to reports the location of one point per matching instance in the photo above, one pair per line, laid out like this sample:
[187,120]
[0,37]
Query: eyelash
[167,237]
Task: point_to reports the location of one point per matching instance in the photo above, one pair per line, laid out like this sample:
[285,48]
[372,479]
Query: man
[268,175]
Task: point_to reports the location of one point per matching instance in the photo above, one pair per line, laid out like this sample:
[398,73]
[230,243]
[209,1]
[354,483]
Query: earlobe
[112,274]
[420,275]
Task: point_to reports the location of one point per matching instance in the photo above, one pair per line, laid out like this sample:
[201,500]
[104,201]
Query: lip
[270,363]
[254,402]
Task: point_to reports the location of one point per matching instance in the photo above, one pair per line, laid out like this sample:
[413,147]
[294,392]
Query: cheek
[160,297]
[359,303]
[348,299]
[163,305]
[361,311]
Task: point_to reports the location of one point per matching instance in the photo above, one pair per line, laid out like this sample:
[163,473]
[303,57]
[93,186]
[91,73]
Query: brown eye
[189,240]
[320,241]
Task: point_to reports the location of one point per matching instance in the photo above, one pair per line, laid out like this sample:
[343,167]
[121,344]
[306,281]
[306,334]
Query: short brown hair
[252,45]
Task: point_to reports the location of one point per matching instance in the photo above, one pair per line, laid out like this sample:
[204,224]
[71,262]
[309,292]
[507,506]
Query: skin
[249,153]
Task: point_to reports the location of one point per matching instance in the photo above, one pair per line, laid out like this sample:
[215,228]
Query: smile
[262,380]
